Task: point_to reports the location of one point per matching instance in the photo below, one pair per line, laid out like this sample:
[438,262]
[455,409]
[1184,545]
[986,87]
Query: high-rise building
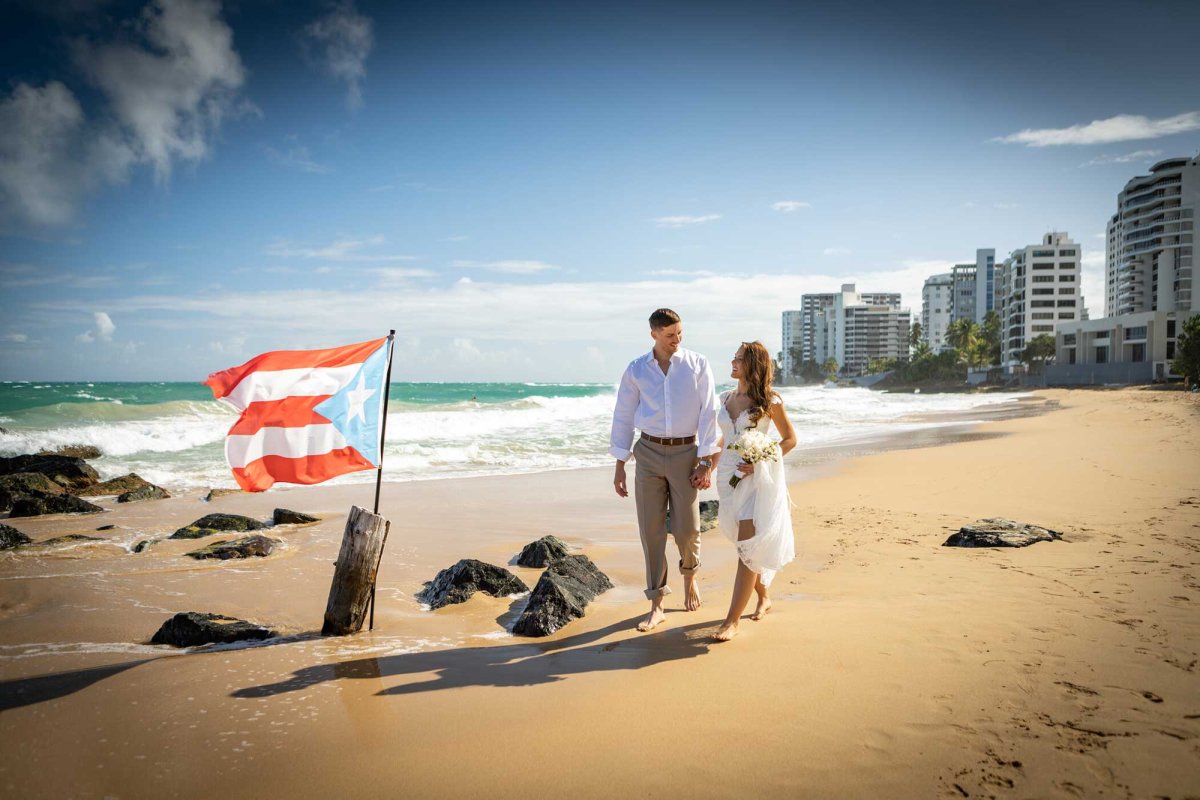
[1150,255]
[1148,282]
[1037,287]
[855,329]
[788,364]
[937,299]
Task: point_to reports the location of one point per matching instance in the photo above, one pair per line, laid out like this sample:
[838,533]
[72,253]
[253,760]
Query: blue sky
[513,187]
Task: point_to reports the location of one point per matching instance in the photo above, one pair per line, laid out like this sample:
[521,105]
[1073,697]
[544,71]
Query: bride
[756,514]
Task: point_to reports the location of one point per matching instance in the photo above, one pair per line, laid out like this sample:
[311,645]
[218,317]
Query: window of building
[1066,278]
[1137,352]
[1066,315]
[1067,265]
[1170,329]
[1043,264]
[1071,356]
[1136,333]
[1043,315]
[1066,252]
[1041,303]
[1066,290]
[1043,254]
[1043,291]
[1068,338]
[1043,328]
[1043,279]
[1066,303]
[1102,355]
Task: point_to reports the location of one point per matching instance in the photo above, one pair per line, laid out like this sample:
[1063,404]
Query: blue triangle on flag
[355,409]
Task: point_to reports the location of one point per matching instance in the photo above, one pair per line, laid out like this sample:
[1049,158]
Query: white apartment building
[1037,288]
[974,287]
[1148,282]
[937,299]
[791,339]
[857,328]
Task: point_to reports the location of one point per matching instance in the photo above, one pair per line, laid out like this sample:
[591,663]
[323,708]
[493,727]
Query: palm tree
[963,336]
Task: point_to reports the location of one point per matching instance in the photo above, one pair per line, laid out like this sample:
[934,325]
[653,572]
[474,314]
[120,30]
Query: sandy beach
[890,666]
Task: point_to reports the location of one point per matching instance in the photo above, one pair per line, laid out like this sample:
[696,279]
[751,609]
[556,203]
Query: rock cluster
[191,628]
[247,547]
[457,583]
[217,523]
[542,552]
[285,516]
[999,532]
[561,594]
[54,483]
[11,537]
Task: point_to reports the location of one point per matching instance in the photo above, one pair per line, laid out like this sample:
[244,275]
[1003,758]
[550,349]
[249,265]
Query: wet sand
[889,666]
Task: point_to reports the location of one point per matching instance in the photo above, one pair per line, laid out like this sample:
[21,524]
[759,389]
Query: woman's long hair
[759,372]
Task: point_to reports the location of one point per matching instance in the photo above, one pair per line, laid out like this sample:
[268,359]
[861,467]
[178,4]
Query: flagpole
[387,385]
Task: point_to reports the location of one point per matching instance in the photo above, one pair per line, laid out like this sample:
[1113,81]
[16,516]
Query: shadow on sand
[524,664]
[27,691]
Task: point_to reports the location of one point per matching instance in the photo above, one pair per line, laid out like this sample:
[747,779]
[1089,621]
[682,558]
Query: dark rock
[997,532]
[11,537]
[74,451]
[246,547]
[71,537]
[192,628]
[457,583]
[213,494]
[106,527]
[144,544]
[25,484]
[147,492]
[284,516]
[217,523]
[37,505]
[542,552]
[72,473]
[125,483]
[561,594]
[708,515]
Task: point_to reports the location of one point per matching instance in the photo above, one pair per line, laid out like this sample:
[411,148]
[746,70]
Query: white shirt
[681,403]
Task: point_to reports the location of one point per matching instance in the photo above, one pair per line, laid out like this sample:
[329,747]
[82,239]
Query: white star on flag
[358,396]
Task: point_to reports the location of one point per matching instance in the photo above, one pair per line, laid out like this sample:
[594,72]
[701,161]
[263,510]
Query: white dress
[761,497]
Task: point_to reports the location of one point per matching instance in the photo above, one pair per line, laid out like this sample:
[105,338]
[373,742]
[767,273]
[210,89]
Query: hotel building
[937,299]
[857,328]
[1037,288]
[1148,282]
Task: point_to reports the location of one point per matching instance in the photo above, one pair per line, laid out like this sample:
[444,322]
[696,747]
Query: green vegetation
[830,367]
[1039,351]
[1187,350]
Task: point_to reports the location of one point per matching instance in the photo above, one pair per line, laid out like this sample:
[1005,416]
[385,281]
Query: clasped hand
[701,477]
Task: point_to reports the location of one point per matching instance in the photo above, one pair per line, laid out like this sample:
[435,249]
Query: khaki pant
[662,481]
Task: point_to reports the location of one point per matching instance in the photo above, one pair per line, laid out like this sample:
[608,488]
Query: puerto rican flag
[306,415]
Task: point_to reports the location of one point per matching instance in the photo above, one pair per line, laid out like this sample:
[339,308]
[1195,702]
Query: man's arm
[621,439]
[707,432]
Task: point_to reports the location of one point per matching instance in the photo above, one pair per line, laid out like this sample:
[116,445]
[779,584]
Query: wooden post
[354,573]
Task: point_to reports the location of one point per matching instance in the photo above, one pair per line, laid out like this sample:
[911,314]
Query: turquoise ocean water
[173,433]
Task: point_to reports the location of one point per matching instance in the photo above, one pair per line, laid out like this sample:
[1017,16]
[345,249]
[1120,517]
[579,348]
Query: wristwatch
[706,462]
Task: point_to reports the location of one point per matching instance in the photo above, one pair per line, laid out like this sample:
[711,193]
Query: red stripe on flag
[223,382]
[290,412]
[261,474]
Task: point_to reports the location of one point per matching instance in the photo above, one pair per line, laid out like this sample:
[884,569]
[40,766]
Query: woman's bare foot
[691,592]
[651,622]
[726,632]
[764,605]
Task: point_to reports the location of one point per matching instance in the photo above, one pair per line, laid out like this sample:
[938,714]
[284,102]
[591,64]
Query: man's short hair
[663,318]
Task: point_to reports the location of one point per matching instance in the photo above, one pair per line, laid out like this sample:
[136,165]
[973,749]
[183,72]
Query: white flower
[754,446]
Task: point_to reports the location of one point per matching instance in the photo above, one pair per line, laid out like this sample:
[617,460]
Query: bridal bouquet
[754,447]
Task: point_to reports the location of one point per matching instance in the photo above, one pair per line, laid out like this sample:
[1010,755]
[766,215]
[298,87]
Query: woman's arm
[784,426]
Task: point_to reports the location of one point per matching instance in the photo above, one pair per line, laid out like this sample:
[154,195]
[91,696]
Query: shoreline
[891,665]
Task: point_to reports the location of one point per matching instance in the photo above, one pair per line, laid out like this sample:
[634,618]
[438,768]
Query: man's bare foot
[691,592]
[651,622]
[726,632]
[764,605]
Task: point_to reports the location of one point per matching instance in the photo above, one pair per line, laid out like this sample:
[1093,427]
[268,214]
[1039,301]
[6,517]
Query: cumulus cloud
[1136,155]
[510,267]
[1121,128]
[788,206]
[683,221]
[343,40]
[102,329]
[167,85]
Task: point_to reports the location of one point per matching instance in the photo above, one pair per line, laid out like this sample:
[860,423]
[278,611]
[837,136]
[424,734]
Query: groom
[669,395]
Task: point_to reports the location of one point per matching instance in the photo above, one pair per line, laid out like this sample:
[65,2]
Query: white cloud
[510,267]
[167,84]
[18,338]
[1121,128]
[344,39]
[684,221]
[402,273]
[343,249]
[1136,155]
[788,206]
[836,251]
[699,273]
[1091,281]
[296,156]
[170,94]
[102,330]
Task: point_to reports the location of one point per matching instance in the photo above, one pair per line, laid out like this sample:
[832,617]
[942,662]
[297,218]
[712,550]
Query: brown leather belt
[676,440]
